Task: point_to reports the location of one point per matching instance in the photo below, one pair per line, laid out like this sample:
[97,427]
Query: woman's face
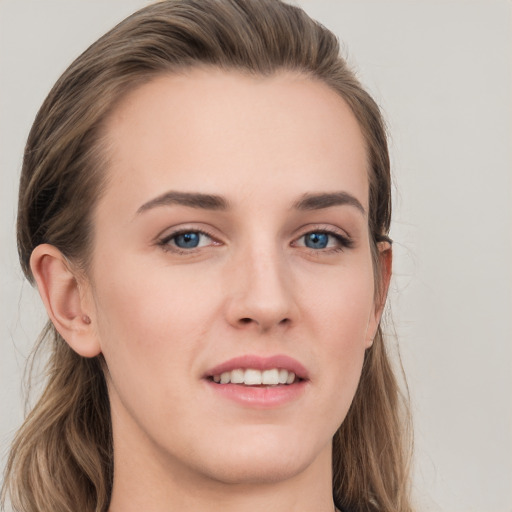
[232,244]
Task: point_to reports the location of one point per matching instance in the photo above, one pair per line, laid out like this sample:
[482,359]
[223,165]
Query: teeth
[283,376]
[237,376]
[270,377]
[291,378]
[251,377]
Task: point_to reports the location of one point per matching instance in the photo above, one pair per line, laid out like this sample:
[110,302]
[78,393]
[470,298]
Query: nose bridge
[261,291]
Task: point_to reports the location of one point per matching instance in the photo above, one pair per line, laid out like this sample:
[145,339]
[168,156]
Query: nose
[261,292]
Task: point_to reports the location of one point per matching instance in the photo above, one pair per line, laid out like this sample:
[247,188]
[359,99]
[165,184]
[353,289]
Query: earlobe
[385,258]
[64,299]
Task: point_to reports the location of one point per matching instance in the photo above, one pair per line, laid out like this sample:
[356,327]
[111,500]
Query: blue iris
[316,240]
[187,240]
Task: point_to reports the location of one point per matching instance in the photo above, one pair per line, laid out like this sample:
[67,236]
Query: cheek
[155,323]
[146,316]
[151,325]
[140,298]
[338,314]
[340,303]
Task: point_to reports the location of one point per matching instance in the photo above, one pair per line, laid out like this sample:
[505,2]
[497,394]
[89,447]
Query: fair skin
[275,270]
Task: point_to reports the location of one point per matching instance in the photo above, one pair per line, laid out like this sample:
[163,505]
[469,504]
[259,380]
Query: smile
[261,382]
[253,377]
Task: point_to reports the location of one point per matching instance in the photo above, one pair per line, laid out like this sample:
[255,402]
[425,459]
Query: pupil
[187,240]
[317,240]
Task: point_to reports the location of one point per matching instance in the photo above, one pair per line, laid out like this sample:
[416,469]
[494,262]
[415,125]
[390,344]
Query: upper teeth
[251,377]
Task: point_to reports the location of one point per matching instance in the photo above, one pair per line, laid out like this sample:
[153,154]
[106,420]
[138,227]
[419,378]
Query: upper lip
[256,362]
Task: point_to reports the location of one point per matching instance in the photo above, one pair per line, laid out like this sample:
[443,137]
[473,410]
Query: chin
[260,461]
[257,472]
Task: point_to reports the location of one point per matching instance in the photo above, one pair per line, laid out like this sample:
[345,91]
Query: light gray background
[441,70]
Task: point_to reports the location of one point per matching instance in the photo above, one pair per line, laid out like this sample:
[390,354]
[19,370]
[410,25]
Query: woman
[204,207]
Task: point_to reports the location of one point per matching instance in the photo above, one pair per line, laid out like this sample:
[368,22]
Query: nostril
[247,321]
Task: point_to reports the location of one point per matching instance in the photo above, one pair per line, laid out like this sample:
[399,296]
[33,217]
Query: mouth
[261,382]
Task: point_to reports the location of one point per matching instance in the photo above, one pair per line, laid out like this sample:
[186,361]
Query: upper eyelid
[169,233]
[322,228]
[305,230]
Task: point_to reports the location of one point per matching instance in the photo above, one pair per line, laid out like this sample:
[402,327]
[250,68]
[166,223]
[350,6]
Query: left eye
[321,240]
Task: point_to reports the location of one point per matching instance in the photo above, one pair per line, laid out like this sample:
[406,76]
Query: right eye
[186,240]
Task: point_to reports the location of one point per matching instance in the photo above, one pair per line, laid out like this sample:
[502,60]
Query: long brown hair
[62,455]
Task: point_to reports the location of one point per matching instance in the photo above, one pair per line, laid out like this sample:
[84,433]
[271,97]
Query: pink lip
[260,363]
[259,397]
[254,397]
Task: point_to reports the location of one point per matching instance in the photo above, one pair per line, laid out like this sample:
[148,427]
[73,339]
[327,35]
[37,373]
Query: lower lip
[262,397]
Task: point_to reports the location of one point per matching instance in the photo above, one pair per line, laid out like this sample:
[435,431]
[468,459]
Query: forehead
[235,133]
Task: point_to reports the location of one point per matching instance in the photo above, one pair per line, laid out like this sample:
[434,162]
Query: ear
[385,258]
[65,297]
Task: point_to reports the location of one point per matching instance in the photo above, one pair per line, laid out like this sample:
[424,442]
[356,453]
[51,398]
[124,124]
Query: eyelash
[343,242]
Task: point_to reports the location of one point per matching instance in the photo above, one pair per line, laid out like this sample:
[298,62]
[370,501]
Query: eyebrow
[190,199]
[214,202]
[326,200]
